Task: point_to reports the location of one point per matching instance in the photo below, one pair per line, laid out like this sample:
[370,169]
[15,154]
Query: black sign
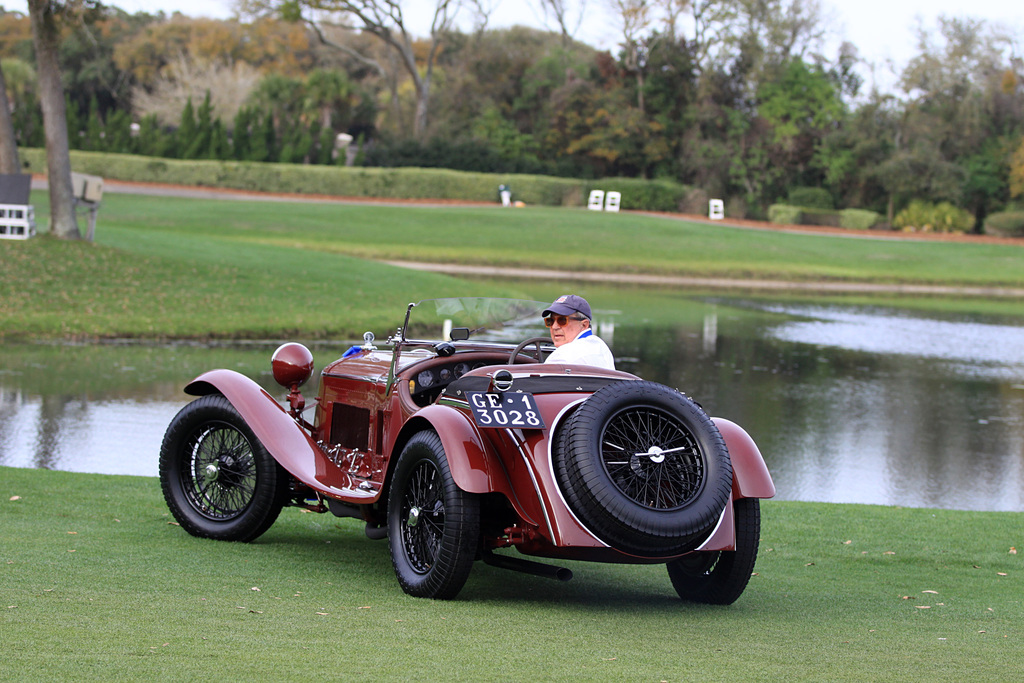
[510,409]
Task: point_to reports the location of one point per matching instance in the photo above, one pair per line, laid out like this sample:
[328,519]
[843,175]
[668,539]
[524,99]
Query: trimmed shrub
[350,181]
[785,214]
[821,217]
[859,219]
[1005,224]
[696,202]
[927,217]
[810,198]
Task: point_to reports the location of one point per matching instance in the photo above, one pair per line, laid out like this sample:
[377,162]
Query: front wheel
[718,578]
[433,525]
[217,478]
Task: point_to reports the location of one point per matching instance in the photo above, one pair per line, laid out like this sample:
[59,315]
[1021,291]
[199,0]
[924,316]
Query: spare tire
[644,468]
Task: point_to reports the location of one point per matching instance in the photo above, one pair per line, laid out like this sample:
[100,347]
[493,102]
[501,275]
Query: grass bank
[97,584]
[170,267]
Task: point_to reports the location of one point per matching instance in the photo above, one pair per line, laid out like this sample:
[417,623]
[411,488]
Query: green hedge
[854,219]
[1005,223]
[389,183]
[928,217]
[784,214]
[859,219]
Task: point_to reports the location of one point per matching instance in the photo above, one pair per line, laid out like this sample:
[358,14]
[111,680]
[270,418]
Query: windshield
[500,320]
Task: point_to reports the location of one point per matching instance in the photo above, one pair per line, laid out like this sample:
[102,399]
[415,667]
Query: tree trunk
[9,164]
[45,39]
[419,124]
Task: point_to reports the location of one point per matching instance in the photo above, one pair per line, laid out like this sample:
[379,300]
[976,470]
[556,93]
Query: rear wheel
[217,478]
[719,578]
[433,525]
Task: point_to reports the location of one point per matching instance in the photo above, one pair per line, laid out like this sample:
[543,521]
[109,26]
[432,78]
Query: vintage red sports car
[457,441]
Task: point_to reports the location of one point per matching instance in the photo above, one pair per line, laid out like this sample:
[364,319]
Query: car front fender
[288,443]
[750,477]
[474,468]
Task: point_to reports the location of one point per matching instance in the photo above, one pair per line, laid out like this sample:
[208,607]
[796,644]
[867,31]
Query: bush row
[853,219]
[389,183]
[928,217]
[1005,223]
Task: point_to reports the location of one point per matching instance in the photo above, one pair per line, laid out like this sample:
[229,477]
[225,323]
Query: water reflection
[847,404]
[857,330]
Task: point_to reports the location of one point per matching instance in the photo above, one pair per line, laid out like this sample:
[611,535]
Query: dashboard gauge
[461,369]
[446,375]
[425,379]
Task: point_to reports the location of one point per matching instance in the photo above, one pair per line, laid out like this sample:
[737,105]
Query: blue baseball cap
[568,304]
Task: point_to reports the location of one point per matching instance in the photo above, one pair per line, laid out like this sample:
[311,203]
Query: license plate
[510,409]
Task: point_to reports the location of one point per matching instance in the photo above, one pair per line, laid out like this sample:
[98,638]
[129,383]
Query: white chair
[716,209]
[596,201]
[611,201]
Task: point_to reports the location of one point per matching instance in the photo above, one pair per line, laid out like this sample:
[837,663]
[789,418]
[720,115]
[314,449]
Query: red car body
[689,500]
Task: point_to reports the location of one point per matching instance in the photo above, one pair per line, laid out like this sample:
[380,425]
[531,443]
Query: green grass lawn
[200,268]
[96,583]
[573,240]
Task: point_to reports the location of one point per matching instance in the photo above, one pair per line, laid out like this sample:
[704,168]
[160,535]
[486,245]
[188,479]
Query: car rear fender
[474,467]
[750,478]
[288,443]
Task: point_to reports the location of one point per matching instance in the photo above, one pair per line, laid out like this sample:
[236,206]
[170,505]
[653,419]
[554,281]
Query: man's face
[565,328]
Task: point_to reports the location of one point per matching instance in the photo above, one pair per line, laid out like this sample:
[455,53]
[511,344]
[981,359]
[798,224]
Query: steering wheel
[526,342]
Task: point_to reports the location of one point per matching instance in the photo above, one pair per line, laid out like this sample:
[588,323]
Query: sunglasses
[562,320]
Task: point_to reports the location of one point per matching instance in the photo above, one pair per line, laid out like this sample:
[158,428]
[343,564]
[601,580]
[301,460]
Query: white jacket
[585,349]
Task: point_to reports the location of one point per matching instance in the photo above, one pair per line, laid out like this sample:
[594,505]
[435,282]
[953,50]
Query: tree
[46,18]
[1017,171]
[198,146]
[9,163]
[385,20]
[964,112]
[328,92]
[187,130]
[559,9]
[635,16]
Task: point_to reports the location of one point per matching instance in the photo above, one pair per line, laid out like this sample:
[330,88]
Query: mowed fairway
[198,268]
[96,583]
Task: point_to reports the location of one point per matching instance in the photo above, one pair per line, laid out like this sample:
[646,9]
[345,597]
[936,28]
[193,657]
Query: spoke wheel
[217,478]
[652,458]
[433,525]
[644,468]
[720,577]
[423,518]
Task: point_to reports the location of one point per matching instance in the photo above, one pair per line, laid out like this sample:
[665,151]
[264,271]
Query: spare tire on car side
[644,468]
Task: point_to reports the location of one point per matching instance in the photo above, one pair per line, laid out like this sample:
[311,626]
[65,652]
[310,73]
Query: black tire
[644,468]
[719,578]
[433,525]
[218,479]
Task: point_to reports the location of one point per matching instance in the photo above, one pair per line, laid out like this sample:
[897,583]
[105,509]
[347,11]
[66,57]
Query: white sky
[883,30]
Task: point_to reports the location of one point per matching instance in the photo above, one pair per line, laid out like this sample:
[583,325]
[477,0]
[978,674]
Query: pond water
[848,404]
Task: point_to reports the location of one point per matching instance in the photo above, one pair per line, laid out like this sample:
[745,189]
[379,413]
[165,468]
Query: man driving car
[569,320]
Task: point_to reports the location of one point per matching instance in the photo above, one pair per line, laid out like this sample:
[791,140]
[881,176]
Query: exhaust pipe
[518,564]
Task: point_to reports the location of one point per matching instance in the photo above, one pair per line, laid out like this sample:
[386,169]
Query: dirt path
[715,283]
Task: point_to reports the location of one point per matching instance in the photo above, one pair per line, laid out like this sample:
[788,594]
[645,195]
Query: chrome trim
[396,353]
[714,531]
[519,442]
[554,475]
